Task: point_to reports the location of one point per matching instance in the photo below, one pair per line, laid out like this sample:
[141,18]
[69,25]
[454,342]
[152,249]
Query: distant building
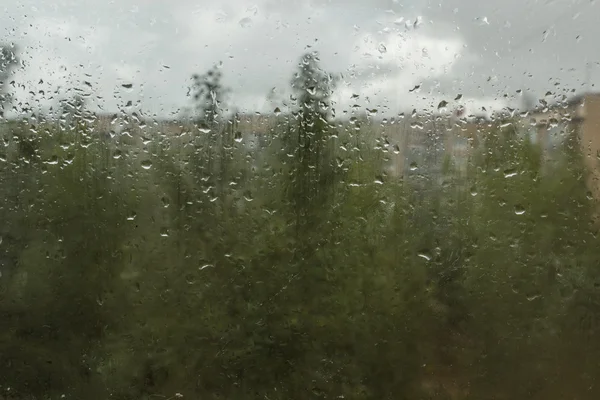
[552,125]
[585,115]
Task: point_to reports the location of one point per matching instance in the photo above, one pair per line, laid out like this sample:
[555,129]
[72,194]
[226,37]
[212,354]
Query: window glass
[297,200]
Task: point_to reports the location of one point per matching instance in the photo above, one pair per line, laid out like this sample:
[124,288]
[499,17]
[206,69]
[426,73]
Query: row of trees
[192,267]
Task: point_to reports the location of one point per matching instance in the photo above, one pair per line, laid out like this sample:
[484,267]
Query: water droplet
[425,255]
[519,209]
[189,278]
[164,232]
[165,201]
[413,166]
[509,173]
[248,196]
[221,16]
[245,22]
[418,22]
[381,48]
[482,21]
[277,111]
[117,154]
[146,164]
[474,191]
[131,216]
[206,266]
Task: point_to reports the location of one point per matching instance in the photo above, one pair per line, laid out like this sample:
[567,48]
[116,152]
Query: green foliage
[8,62]
[307,274]
[66,282]
[311,175]
[208,94]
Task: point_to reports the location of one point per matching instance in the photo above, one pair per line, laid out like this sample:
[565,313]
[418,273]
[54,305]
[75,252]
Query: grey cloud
[525,44]
[159,45]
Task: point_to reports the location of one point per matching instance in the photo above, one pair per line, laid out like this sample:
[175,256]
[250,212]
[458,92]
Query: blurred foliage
[9,60]
[188,265]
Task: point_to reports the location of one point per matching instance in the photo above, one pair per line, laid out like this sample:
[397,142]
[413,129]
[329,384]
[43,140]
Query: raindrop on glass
[245,22]
[146,164]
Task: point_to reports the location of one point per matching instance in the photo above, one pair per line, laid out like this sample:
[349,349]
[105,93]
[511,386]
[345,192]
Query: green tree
[214,156]
[208,95]
[309,142]
[8,62]
[60,301]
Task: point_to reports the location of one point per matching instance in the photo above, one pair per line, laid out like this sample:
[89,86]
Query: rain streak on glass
[299,200]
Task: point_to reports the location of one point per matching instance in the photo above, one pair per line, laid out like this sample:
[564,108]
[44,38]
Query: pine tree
[309,141]
[208,95]
[8,62]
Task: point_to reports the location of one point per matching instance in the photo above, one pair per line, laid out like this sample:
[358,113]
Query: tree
[8,62]
[208,94]
[72,110]
[311,174]
[213,162]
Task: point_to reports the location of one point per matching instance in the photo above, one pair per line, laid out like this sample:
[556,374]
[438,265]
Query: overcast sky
[483,50]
